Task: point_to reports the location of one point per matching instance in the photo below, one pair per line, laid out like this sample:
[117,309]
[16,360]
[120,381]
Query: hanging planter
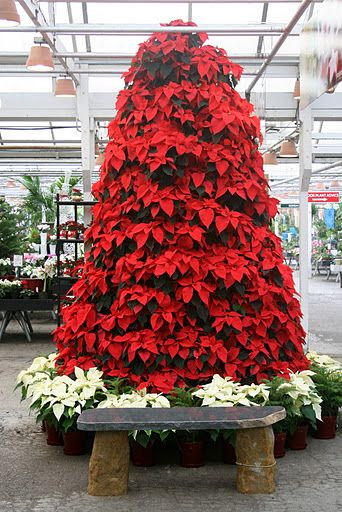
[75,442]
[326,429]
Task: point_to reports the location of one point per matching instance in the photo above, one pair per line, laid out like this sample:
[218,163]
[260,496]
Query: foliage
[36,199]
[12,227]
[184,278]
[6,266]
[7,288]
[328,383]
[58,185]
[299,398]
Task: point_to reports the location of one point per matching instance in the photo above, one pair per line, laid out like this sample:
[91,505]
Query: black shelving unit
[64,282]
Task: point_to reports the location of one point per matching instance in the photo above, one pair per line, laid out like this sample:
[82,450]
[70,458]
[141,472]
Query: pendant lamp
[9,16]
[65,87]
[335,184]
[296,90]
[40,59]
[320,185]
[288,149]
[270,158]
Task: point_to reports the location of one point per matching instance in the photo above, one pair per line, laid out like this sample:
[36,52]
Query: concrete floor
[35,477]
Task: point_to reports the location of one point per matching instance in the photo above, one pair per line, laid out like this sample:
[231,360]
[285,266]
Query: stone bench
[109,462]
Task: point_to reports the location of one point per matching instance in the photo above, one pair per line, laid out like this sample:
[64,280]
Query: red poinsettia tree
[184,278]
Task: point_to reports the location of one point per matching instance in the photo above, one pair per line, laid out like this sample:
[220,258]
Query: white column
[88,137]
[305,168]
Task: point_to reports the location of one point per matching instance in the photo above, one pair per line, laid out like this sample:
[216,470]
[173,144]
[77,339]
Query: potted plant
[329,387]
[297,394]
[224,391]
[9,289]
[6,268]
[58,400]
[191,442]
[142,441]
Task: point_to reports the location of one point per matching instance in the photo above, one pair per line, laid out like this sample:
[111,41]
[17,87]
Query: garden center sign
[323,197]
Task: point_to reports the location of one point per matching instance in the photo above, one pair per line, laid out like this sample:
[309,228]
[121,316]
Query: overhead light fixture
[296,90]
[40,57]
[331,90]
[270,158]
[100,159]
[65,87]
[9,16]
[288,149]
[320,185]
[335,184]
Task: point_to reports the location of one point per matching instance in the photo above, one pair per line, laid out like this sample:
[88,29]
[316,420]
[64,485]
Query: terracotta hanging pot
[54,436]
[279,444]
[229,453]
[297,440]
[192,454]
[74,442]
[141,455]
[326,429]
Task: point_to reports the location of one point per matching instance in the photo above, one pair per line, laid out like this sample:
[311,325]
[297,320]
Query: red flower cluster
[184,279]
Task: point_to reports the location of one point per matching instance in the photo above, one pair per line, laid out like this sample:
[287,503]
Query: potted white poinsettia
[141,441]
[61,399]
[298,395]
[225,392]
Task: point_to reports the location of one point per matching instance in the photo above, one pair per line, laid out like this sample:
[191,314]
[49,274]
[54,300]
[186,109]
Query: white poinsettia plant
[324,361]
[41,368]
[301,388]
[135,399]
[61,399]
[225,392]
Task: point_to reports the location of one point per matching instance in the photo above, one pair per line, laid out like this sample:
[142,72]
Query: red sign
[324,197]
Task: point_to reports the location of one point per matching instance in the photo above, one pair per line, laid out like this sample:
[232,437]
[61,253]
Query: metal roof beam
[290,28]
[252,29]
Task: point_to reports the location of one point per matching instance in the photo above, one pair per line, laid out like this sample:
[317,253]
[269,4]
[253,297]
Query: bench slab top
[180,418]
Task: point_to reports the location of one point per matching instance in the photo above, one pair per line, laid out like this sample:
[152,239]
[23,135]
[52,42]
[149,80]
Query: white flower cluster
[5,262]
[301,388]
[7,284]
[136,399]
[225,392]
[41,368]
[60,393]
[324,360]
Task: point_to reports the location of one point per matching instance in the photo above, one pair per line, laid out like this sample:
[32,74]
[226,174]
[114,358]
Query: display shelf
[70,240]
[76,203]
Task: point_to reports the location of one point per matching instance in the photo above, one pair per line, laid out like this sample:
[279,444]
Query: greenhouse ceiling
[41,134]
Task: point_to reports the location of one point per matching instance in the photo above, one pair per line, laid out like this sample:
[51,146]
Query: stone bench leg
[255,460]
[109,464]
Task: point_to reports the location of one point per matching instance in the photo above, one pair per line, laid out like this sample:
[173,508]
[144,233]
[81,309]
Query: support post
[305,169]
[87,138]
[255,460]
[109,464]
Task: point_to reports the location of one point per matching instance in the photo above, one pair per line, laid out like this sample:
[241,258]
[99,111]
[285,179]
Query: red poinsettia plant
[184,278]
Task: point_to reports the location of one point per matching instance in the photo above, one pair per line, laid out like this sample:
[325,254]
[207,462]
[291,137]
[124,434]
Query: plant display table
[18,309]
[109,462]
[337,269]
